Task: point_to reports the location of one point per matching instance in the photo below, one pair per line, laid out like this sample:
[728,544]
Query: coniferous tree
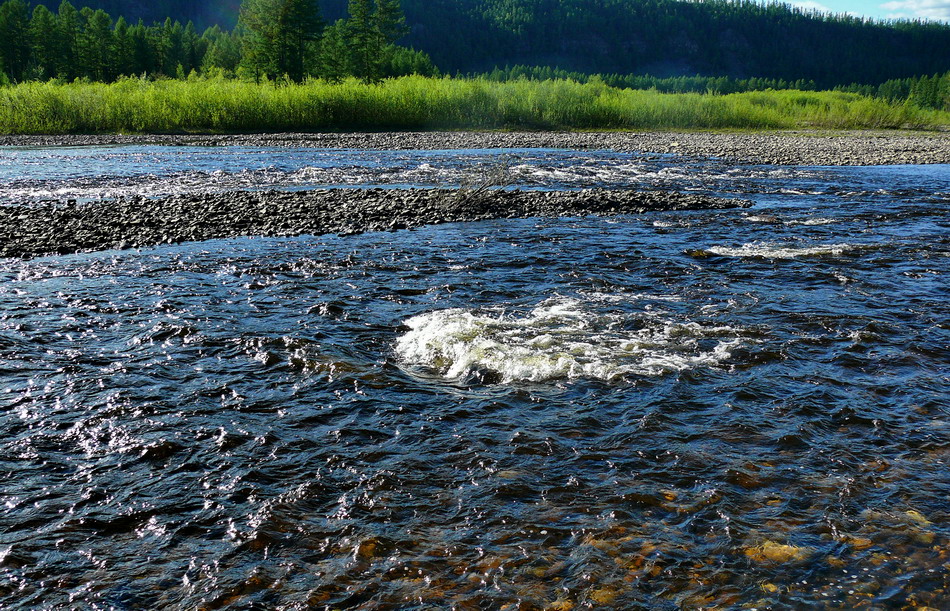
[390,26]
[258,37]
[301,24]
[143,54]
[68,28]
[95,45]
[189,42]
[45,47]
[390,20]
[173,46]
[278,35]
[224,51]
[365,44]
[15,40]
[333,53]
[123,63]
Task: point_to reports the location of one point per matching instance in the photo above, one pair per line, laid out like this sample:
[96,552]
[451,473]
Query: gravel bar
[810,148]
[67,227]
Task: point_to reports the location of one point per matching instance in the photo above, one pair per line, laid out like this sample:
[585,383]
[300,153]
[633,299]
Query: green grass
[418,103]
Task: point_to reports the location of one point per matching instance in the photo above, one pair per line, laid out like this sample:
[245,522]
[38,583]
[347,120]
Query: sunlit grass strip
[220,105]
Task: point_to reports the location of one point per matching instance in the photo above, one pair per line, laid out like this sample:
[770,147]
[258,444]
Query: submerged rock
[772,552]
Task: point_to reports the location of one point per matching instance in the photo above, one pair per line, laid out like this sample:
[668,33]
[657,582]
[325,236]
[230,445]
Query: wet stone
[55,228]
[772,552]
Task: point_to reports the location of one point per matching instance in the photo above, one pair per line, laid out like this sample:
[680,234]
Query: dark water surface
[677,410]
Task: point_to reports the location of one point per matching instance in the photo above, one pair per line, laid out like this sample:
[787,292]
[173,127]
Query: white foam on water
[560,339]
[598,296]
[813,221]
[762,218]
[774,251]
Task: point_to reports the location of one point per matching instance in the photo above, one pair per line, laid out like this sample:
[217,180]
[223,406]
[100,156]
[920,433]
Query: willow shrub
[222,105]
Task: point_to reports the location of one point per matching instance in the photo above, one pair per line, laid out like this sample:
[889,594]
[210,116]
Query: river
[658,411]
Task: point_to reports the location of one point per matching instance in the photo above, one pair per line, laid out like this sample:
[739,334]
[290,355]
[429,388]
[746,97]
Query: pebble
[787,147]
[60,228]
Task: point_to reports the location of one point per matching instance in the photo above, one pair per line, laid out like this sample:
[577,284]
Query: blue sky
[883,9]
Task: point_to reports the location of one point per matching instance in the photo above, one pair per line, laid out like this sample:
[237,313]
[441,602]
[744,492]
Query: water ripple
[532,412]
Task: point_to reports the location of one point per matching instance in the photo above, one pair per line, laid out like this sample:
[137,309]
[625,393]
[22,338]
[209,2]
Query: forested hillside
[741,39]
[204,14]
[670,37]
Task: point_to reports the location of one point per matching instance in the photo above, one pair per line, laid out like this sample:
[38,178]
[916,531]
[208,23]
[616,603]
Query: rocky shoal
[59,228]
[773,147]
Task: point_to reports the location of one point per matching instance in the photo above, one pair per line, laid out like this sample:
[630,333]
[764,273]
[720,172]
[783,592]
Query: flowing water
[671,410]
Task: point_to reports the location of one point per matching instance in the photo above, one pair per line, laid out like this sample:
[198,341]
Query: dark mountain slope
[663,37]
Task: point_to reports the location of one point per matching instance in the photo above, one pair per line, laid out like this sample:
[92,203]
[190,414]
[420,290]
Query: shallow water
[661,411]
[103,172]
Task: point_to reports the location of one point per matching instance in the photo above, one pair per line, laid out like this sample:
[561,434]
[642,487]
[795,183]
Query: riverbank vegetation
[928,91]
[219,104]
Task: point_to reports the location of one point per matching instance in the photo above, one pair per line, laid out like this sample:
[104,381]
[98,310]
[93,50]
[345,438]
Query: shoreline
[135,222]
[797,147]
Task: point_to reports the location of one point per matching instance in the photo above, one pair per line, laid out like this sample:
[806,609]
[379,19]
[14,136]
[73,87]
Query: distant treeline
[73,43]
[925,91]
[678,84]
[736,38]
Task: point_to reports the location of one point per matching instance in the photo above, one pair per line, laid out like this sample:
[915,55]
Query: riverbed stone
[779,553]
[784,147]
[55,227]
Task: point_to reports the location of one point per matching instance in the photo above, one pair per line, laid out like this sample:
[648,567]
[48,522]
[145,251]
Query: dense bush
[201,104]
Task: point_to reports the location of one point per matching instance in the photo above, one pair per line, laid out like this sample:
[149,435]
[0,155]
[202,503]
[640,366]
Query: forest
[274,39]
[741,39]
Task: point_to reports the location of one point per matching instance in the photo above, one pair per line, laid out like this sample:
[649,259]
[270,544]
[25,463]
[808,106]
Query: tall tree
[173,47]
[96,44]
[390,20]
[15,43]
[190,43]
[364,40]
[333,63]
[68,28]
[302,24]
[279,33]
[224,51]
[143,54]
[45,47]
[123,63]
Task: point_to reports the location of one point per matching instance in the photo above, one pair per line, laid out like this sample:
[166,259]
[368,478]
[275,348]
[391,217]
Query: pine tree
[143,52]
[45,48]
[15,43]
[68,29]
[190,48]
[95,45]
[333,56]
[301,26]
[124,50]
[390,21]
[278,35]
[173,45]
[364,41]
[224,51]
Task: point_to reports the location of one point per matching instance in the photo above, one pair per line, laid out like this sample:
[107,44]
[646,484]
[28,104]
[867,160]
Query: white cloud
[811,5]
[938,10]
